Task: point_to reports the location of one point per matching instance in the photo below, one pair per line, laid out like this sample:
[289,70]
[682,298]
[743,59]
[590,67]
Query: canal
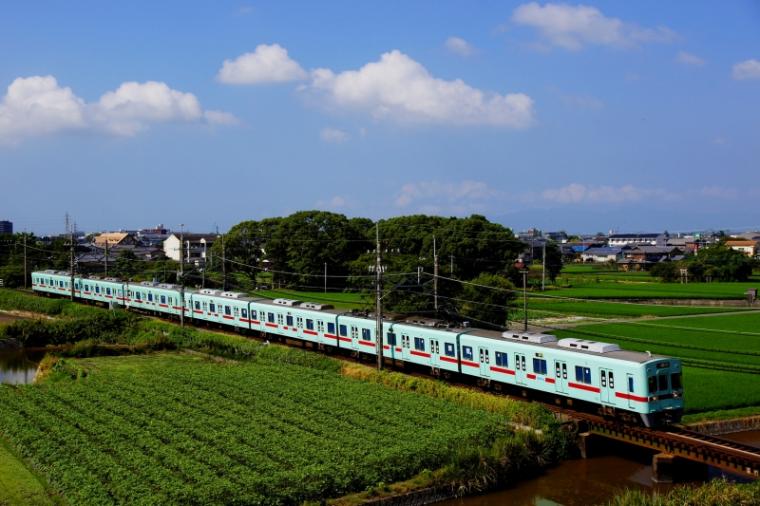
[18,366]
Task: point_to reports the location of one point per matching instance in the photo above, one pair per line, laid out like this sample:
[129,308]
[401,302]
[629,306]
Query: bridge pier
[663,467]
[586,444]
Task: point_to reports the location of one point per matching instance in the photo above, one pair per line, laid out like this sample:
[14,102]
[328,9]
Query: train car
[423,342]
[207,306]
[105,290]
[235,309]
[52,282]
[622,383]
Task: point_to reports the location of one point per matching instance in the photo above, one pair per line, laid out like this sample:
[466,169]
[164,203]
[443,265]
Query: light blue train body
[629,384]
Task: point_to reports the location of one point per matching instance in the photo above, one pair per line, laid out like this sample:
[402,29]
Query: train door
[405,347]
[435,351]
[560,376]
[607,384]
[629,385]
[484,356]
[520,368]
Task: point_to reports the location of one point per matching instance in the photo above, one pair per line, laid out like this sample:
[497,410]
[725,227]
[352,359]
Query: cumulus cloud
[459,46]
[748,69]
[397,87]
[576,193]
[693,60]
[436,197]
[38,105]
[574,26]
[267,64]
[333,135]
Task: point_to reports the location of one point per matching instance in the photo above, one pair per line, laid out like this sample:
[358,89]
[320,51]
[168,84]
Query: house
[195,247]
[114,240]
[153,236]
[641,258]
[748,247]
[602,255]
[637,239]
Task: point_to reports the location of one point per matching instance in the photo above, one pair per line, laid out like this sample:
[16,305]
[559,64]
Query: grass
[19,486]
[656,290]
[717,492]
[340,300]
[546,307]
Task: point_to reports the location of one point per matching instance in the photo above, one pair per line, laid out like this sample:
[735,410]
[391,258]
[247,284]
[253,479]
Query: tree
[487,305]
[666,271]
[719,263]
[553,260]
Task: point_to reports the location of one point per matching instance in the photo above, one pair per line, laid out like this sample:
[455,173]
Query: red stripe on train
[310,332]
[502,370]
[588,388]
[420,353]
[630,397]
[449,359]
[471,364]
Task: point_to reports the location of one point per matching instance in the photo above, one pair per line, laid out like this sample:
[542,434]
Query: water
[573,483]
[749,437]
[18,366]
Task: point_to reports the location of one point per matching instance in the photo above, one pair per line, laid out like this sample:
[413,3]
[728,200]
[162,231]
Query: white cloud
[748,69]
[220,118]
[267,64]
[459,46]
[582,101]
[37,105]
[689,59]
[574,26]
[576,193]
[435,197]
[399,88]
[333,135]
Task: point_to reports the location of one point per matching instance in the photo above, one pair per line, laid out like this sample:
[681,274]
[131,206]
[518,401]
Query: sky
[595,116]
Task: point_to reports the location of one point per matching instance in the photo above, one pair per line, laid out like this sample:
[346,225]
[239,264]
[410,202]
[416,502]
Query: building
[642,258]
[748,247]
[114,240]
[602,255]
[6,227]
[637,239]
[194,250]
[153,236]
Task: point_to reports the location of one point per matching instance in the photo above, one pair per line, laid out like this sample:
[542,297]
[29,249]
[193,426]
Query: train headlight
[653,398]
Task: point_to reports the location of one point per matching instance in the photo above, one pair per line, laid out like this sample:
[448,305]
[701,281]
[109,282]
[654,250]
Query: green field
[179,429]
[340,300]
[547,307]
[18,486]
[655,290]
[721,354]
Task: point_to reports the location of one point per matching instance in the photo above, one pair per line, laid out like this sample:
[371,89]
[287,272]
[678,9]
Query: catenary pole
[71,270]
[105,260]
[182,274]
[435,276]
[543,266]
[25,270]
[378,299]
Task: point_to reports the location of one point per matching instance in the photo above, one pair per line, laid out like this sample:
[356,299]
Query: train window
[205,305]
[171,301]
[163,299]
[522,362]
[652,384]
[289,319]
[583,374]
[467,352]
[612,380]
[354,332]
[564,371]
[488,357]
[675,381]
[280,319]
[330,328]
[309,324]
[662,382]
[501,359]
[97,289]
[320,326]
[481,355]
[419,344]
[270,317]
[150,297]
[244,313]
[212,307]
[253,314]
[448,349]
[437,347]
[197,305]
[237,312]
[343,330]
[539,366]
[630,384]
[556,369]
[227,310]
[366,335]
[604,379]
[391,339]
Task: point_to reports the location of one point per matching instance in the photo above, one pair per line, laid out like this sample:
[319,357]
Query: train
[636,387]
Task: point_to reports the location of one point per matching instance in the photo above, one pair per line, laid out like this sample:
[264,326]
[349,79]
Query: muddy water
[750,437]
[572,483]
[18,366]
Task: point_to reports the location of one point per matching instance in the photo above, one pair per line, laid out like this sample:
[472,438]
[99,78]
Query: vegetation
[184,429]
[18,486]
[717,492]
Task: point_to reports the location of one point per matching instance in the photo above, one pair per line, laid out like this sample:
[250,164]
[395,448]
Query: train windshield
[675,381]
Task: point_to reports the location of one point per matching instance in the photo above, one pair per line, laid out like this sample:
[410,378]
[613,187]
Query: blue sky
[587,117]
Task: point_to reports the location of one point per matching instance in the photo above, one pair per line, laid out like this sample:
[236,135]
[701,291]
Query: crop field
[178,429]
[341,300]
[721,354]
[656,290]
[611,309]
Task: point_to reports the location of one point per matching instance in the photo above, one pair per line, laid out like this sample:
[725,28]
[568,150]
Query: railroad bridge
[676,447]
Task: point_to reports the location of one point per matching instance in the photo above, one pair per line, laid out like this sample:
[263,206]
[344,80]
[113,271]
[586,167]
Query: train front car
[664,392]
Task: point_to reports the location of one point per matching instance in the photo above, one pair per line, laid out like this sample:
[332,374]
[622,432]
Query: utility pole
[525,299]
[435,275]
[71,244]
[378,299]
[325,277]
[224,266]
[181,274]
[543,266]
[25,272]
[105,260]
[451,266]
[419,273]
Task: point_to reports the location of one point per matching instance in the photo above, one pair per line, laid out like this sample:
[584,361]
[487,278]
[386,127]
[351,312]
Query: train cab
[664,392]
